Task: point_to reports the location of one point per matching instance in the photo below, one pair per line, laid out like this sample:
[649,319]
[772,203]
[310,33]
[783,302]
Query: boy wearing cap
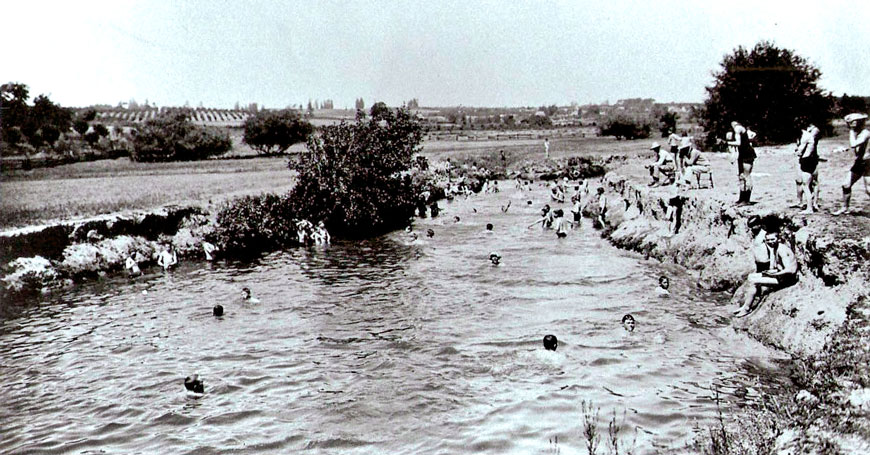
[858,137]
[807,180]
[745,160]
[655,169]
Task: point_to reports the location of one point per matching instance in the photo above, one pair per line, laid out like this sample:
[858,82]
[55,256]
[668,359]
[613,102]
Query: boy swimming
[551,342]
[628,323]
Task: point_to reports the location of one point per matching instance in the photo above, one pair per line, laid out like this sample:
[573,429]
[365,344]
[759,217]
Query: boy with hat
[661,164]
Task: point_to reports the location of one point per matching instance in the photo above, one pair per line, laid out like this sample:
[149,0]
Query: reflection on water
[380,346]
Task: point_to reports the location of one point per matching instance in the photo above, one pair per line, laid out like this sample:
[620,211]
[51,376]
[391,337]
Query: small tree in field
[173,137]
[273,133]
[378,109]
[354,175]
[625,127]
[770,90]
[667,123]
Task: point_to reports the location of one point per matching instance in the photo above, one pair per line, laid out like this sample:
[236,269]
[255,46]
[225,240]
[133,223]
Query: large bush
[174,137]
[773,91]
[355,175]
[255,223]
[625,127]
[271,132]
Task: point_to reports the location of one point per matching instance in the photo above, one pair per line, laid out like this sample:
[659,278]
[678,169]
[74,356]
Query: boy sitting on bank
[782,273]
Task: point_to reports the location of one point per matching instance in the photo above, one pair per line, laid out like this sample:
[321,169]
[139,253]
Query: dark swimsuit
[745,152]
[809,163]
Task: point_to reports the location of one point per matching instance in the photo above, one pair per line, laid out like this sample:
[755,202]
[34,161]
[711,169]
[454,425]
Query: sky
[444,53]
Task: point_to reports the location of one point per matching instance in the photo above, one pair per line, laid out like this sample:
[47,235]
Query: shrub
[174,137]
[253,224]
[274,132]
[355,175]
[624,127]
[770,90]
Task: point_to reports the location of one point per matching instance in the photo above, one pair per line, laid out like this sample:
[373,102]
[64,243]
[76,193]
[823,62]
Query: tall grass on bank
[822,411]
[592,433]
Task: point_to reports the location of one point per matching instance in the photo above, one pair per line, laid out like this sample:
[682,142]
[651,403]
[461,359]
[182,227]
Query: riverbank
[822,321]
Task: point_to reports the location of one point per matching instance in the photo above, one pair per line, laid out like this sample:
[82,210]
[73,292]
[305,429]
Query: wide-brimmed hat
[855,117]
[654,146]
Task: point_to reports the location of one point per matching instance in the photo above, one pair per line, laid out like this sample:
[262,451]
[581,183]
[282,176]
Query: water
[382,346]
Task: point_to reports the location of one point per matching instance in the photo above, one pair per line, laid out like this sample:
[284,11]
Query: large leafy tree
[173,137]
[355,175]
[271,132]
[771,90]
[37,124]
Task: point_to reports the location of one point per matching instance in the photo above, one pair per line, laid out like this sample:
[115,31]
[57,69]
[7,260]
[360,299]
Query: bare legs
[755,282]
[847,192]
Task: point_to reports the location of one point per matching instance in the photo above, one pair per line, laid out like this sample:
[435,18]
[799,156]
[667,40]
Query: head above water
[430,233]
[628,322]
[550,342]
[246,293]
[194,384]
[664,282]
[600,190]
[495,258]
[218,310]
[489,226]
[456,219]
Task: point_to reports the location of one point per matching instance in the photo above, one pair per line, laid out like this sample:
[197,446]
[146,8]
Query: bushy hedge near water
[358,178]
[253,224]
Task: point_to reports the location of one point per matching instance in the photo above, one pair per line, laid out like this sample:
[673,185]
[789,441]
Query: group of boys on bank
[776,266]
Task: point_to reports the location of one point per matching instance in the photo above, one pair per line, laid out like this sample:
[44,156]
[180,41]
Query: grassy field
[87,189]
[92,188]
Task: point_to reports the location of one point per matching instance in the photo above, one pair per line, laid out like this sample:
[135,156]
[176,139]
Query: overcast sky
[469,52]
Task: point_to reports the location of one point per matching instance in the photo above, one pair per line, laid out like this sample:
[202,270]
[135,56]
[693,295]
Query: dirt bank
[823,320]
[712,238]
[40,258]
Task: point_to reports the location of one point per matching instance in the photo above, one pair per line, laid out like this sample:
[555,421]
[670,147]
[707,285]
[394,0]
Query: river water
[381,346]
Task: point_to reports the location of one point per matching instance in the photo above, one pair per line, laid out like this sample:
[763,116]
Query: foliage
[173,137]
[254,224]
[538,121]
[355,175]
[846,105]
[625,127]
[667,123]
[770,90]
[271,132]
[38,124]
[379,109]
[81,126]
